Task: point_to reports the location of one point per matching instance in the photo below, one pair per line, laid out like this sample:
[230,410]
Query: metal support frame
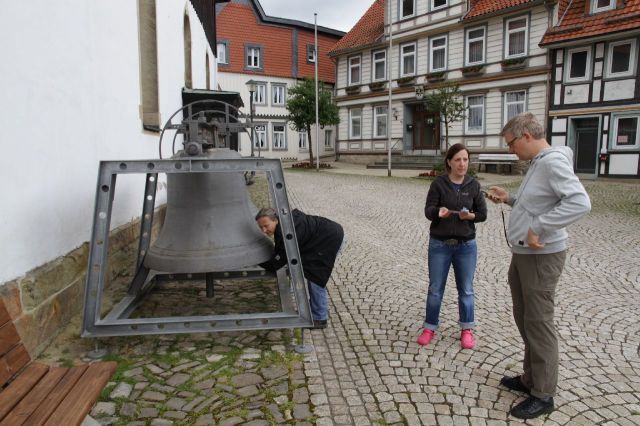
[295,311]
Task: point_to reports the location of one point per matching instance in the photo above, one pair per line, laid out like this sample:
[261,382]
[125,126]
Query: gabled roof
[368,30]
[480,8]
[576,23]
[281,21]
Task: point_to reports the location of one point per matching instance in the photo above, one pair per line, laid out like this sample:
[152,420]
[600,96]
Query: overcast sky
[337,14]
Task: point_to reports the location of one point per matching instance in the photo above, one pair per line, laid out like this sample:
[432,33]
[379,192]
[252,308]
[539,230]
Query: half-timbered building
[594,102]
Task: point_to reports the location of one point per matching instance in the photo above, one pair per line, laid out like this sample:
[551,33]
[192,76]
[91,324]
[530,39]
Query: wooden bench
[497,160]
[32,393]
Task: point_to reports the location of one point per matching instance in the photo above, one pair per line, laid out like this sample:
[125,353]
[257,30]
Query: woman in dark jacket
[454,204]
[319,242]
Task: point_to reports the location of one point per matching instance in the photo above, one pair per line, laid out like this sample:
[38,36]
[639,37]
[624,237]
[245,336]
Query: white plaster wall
[619,89]
[623,164]
[235,82]
[70,98]
[576,94]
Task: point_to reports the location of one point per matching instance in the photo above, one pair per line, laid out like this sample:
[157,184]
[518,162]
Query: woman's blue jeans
[318,301]
[463,257]
[319,297]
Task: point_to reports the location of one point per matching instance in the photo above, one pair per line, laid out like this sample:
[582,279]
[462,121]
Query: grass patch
[123,365]
[65,362]
[277,358]
[104,395]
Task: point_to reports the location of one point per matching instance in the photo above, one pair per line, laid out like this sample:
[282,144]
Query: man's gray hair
[267,212]
[521,123]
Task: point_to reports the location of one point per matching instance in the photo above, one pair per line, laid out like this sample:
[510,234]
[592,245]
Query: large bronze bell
[209,224]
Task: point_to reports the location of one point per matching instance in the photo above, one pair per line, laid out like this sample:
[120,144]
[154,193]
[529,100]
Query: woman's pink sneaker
[467,341]
[425,337]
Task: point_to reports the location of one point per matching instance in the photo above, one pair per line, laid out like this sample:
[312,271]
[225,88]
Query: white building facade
[491,51]
[274,54]
[84,82]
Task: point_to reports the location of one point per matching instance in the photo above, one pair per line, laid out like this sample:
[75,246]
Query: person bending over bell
[320,240]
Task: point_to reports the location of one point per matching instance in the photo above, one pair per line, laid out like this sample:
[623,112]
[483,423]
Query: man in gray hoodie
[549,198]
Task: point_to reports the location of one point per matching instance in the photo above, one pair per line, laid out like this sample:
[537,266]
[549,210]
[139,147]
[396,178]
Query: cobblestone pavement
[366,368]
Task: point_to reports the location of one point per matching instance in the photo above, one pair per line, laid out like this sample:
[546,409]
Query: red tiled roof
[578,24]
[367,30]
[483,7]
[239,24]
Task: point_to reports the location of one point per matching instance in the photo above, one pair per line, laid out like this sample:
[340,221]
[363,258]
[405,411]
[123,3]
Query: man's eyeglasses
[512,141]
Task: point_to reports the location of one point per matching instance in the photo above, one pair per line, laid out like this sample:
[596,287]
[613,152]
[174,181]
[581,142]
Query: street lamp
[251,85]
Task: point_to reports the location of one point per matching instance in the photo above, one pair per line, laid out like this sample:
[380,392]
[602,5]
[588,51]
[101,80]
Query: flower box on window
[473,70]
[406,81]
[435,77]
[513,64]
[352,90]
[377,85]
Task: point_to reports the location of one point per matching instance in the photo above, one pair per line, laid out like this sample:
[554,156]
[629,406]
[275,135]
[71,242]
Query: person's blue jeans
[319,297]
[319,301]
[463,257]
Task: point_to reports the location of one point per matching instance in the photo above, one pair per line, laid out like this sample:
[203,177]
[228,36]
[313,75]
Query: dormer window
[602,5]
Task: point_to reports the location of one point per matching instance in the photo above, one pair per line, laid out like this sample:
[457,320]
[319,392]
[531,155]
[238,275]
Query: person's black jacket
[442,194]
[319,240]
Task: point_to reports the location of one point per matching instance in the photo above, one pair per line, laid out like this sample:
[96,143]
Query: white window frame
[222,58]
[596,9]
[260,95]
[278,94]
[506,103]
[354,62]
[253,57]
[279,138]
[353,118]
[328,138]
[403,72]
[404,15]
[303,143]
[568,61]
[613,143]
[468,41]
[260,137]
[375,61]
[433,6]
[508,33]
[467,129]
[378,115]
[632,58]
[432,51]
[311,53]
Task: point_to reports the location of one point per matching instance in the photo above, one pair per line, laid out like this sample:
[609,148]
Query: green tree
[447,100]
[302,109]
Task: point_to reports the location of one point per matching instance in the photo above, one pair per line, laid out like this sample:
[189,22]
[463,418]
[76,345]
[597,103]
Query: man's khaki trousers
[533,279]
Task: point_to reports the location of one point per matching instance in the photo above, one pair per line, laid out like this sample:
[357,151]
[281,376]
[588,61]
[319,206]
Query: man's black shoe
[532,407]
[319,324]
[514,384]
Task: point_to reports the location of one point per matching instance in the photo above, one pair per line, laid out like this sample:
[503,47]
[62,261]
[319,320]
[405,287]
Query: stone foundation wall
[362,159]
[47,297]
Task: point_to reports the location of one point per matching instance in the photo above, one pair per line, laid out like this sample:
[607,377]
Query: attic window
[602,5]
